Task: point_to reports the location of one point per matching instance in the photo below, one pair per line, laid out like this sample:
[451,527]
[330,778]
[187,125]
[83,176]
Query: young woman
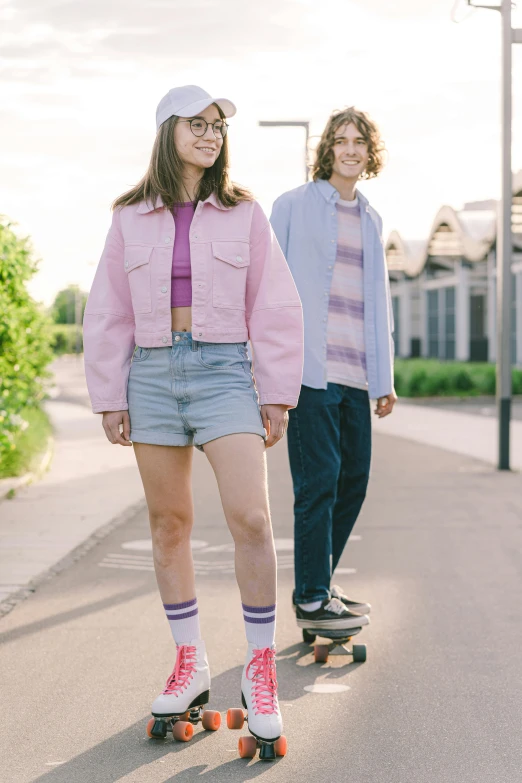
[191,270]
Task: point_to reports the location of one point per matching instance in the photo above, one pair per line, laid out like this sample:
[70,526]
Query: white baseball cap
[188,101]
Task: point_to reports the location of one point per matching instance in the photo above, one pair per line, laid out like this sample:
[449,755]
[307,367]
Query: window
[396,303]
[433,324]
[449,323]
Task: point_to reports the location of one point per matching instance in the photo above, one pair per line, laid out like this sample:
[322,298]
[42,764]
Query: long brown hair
[164,175]
[324,158]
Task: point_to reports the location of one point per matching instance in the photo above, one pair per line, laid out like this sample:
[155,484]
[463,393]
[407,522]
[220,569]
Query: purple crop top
[181,279]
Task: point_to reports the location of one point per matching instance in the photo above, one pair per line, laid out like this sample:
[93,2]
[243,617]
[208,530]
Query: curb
[9,603]
[10,485]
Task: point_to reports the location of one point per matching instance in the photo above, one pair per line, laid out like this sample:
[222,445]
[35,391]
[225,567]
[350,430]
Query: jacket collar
[144,207]
[329,193]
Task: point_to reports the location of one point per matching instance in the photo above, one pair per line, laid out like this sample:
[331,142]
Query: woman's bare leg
[239,463]
[166,472]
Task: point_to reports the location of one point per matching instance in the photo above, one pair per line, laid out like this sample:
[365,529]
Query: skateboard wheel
[247,747]
[156,729]
[182,731]
[281,746]
[359,653]
[211,720]
[235,718]
[308,637]
[321,653]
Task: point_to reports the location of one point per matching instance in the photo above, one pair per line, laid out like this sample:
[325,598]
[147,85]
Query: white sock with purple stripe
[260,625]
[184,621]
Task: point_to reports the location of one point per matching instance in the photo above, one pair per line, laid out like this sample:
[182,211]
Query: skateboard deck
[337,644]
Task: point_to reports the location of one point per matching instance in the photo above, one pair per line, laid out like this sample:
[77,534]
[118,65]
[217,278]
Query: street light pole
[291,124]
[504,250]
[504,238]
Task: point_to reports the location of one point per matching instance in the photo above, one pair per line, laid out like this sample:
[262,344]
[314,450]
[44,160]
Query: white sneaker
[188,685]
[259,689]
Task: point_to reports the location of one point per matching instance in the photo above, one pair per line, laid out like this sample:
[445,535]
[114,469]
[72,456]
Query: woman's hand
[112,421]
[275,422]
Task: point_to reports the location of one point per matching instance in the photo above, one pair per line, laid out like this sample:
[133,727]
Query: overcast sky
[80,80]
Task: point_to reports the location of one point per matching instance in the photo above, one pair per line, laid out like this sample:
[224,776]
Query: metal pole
[78,320]
[504,252]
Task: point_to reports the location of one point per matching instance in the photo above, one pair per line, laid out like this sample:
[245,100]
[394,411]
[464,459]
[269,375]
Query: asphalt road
[438,701]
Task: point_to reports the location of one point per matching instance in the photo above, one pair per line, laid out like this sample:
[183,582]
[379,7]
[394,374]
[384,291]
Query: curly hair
[322,166]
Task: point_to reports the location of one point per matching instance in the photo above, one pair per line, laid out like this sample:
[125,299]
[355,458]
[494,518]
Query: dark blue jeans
[329,444]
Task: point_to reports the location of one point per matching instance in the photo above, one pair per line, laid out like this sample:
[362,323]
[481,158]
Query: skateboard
[182,724]
[249,745]
[337,645]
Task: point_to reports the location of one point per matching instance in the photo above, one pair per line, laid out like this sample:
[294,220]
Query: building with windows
[444,289]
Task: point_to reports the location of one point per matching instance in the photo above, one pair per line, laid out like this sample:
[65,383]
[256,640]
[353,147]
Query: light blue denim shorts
[192,393]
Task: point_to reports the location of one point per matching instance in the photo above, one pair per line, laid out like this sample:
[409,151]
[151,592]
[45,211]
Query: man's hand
[385,405]
[112,421]
[275,422]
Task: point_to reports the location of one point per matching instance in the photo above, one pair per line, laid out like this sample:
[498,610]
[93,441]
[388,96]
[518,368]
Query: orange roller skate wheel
[235,718]
[182,731]
[281,746]
[211,720]
[150,724]
[247,747]
[321,653]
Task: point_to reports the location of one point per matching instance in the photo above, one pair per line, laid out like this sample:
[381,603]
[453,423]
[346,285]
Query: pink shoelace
[262,672]
[183,670]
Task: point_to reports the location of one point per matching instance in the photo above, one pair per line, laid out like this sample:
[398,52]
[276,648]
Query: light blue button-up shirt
[305,223]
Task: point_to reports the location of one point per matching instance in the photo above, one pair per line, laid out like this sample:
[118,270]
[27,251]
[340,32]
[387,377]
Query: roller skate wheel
[182,731]
[150,726]
[321,653]
[235,718]
[211,720]
[308,638]
[247,747]
[281,746]
[359,653]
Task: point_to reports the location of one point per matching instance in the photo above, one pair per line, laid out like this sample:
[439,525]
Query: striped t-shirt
[346,355]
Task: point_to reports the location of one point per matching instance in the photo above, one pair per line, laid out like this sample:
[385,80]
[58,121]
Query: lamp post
[291,124]
[504,238]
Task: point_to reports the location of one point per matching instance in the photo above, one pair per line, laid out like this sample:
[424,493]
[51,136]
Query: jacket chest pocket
[229,274]
[137,266]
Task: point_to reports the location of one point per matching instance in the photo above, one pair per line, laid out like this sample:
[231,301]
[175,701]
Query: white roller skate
[180,706]
[259,698]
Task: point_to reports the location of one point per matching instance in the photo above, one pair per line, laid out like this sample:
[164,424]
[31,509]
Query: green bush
[64,338]
[30,444]
[24,339]
[431,377]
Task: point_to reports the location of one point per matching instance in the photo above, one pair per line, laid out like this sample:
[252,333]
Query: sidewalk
[471,435]
[89,484]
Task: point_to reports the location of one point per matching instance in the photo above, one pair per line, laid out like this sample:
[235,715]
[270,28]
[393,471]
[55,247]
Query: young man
[332,239]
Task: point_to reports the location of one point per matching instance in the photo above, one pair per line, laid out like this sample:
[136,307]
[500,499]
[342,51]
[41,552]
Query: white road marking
[284,544]
[345,571]
[326,687]
[145,544]
[126,567]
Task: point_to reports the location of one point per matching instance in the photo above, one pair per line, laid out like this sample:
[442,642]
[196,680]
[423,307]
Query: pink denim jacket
[242,290]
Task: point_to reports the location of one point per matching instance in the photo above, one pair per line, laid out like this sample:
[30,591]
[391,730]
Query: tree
[64,307]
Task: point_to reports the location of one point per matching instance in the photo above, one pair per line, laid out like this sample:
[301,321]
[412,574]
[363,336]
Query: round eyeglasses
[199,126]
